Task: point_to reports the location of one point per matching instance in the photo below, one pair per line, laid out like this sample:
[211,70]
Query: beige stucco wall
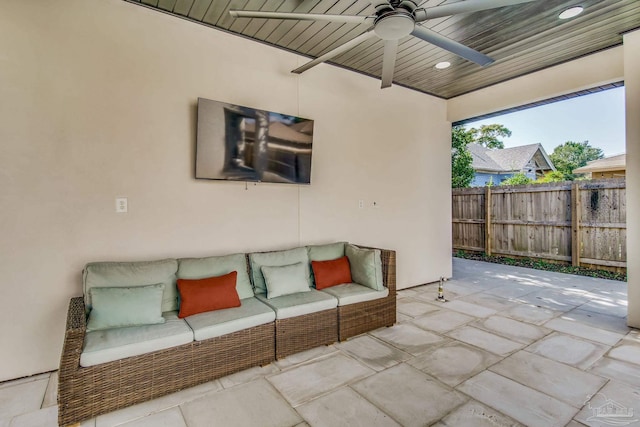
[632,104]
[99,101]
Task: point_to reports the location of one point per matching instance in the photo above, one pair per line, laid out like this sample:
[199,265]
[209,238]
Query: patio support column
[632,94]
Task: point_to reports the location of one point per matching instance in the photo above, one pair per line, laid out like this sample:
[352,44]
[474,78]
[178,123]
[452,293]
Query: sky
[597,118]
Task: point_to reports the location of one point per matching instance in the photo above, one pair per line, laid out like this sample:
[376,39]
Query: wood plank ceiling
[522,38]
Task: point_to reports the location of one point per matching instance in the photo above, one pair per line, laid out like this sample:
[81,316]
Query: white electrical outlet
[360,204]
[122,205]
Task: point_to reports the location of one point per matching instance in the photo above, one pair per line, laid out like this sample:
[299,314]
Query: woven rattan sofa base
[300,333]
[85,392]
[358,318]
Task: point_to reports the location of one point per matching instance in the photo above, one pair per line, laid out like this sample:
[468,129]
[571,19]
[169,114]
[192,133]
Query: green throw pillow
[277,258]
[130,274]
[366,266]
[285,280]
[121,307]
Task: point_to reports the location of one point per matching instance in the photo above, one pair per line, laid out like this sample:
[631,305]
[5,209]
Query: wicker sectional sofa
[93,379]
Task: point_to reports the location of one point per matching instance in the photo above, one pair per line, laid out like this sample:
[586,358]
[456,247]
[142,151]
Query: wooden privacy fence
[582,222]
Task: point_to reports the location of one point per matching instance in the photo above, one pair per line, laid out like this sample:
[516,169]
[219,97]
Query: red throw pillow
[212,293]
[331,273]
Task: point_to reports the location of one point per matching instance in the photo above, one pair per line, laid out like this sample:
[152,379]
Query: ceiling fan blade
[451,45]
[335,52]
[389,62]
[380,4]
[345,19]
[466,6]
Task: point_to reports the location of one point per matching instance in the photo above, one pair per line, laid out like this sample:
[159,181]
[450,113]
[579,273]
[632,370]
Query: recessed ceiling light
[442,65]
[571,12]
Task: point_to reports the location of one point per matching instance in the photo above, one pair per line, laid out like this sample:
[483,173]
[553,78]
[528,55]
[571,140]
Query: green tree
[461,170]
[488,135]
[555,176]
[572,155]
[517,179]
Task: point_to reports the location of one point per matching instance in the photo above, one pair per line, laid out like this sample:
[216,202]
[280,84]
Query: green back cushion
[327,252]
[201,268]
[129,274]
[286,279]
[121,307]
[277,259]
[366,266]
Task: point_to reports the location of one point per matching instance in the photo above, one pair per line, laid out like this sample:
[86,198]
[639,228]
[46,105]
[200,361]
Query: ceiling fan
[393,20]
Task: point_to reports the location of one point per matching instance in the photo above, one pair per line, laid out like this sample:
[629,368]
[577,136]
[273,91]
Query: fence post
[487,220]
[575,225]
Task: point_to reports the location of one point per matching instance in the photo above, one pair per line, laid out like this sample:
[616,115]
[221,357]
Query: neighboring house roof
[512,159]
[482,161]
[612,163]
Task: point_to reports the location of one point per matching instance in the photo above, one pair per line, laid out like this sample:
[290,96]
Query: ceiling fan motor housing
[394,25]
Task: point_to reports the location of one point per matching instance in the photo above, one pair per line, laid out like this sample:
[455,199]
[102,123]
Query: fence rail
[582,223]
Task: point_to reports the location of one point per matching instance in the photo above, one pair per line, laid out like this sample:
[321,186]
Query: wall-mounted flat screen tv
[238,143]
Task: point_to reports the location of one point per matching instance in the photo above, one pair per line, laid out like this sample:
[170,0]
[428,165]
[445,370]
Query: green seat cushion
[326,252]
[276,258]
[118,343]
[352,293]
[366,266]
[128,274]
[121,307]
[285,279]
[300,303]
[222,322]
[201,268]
